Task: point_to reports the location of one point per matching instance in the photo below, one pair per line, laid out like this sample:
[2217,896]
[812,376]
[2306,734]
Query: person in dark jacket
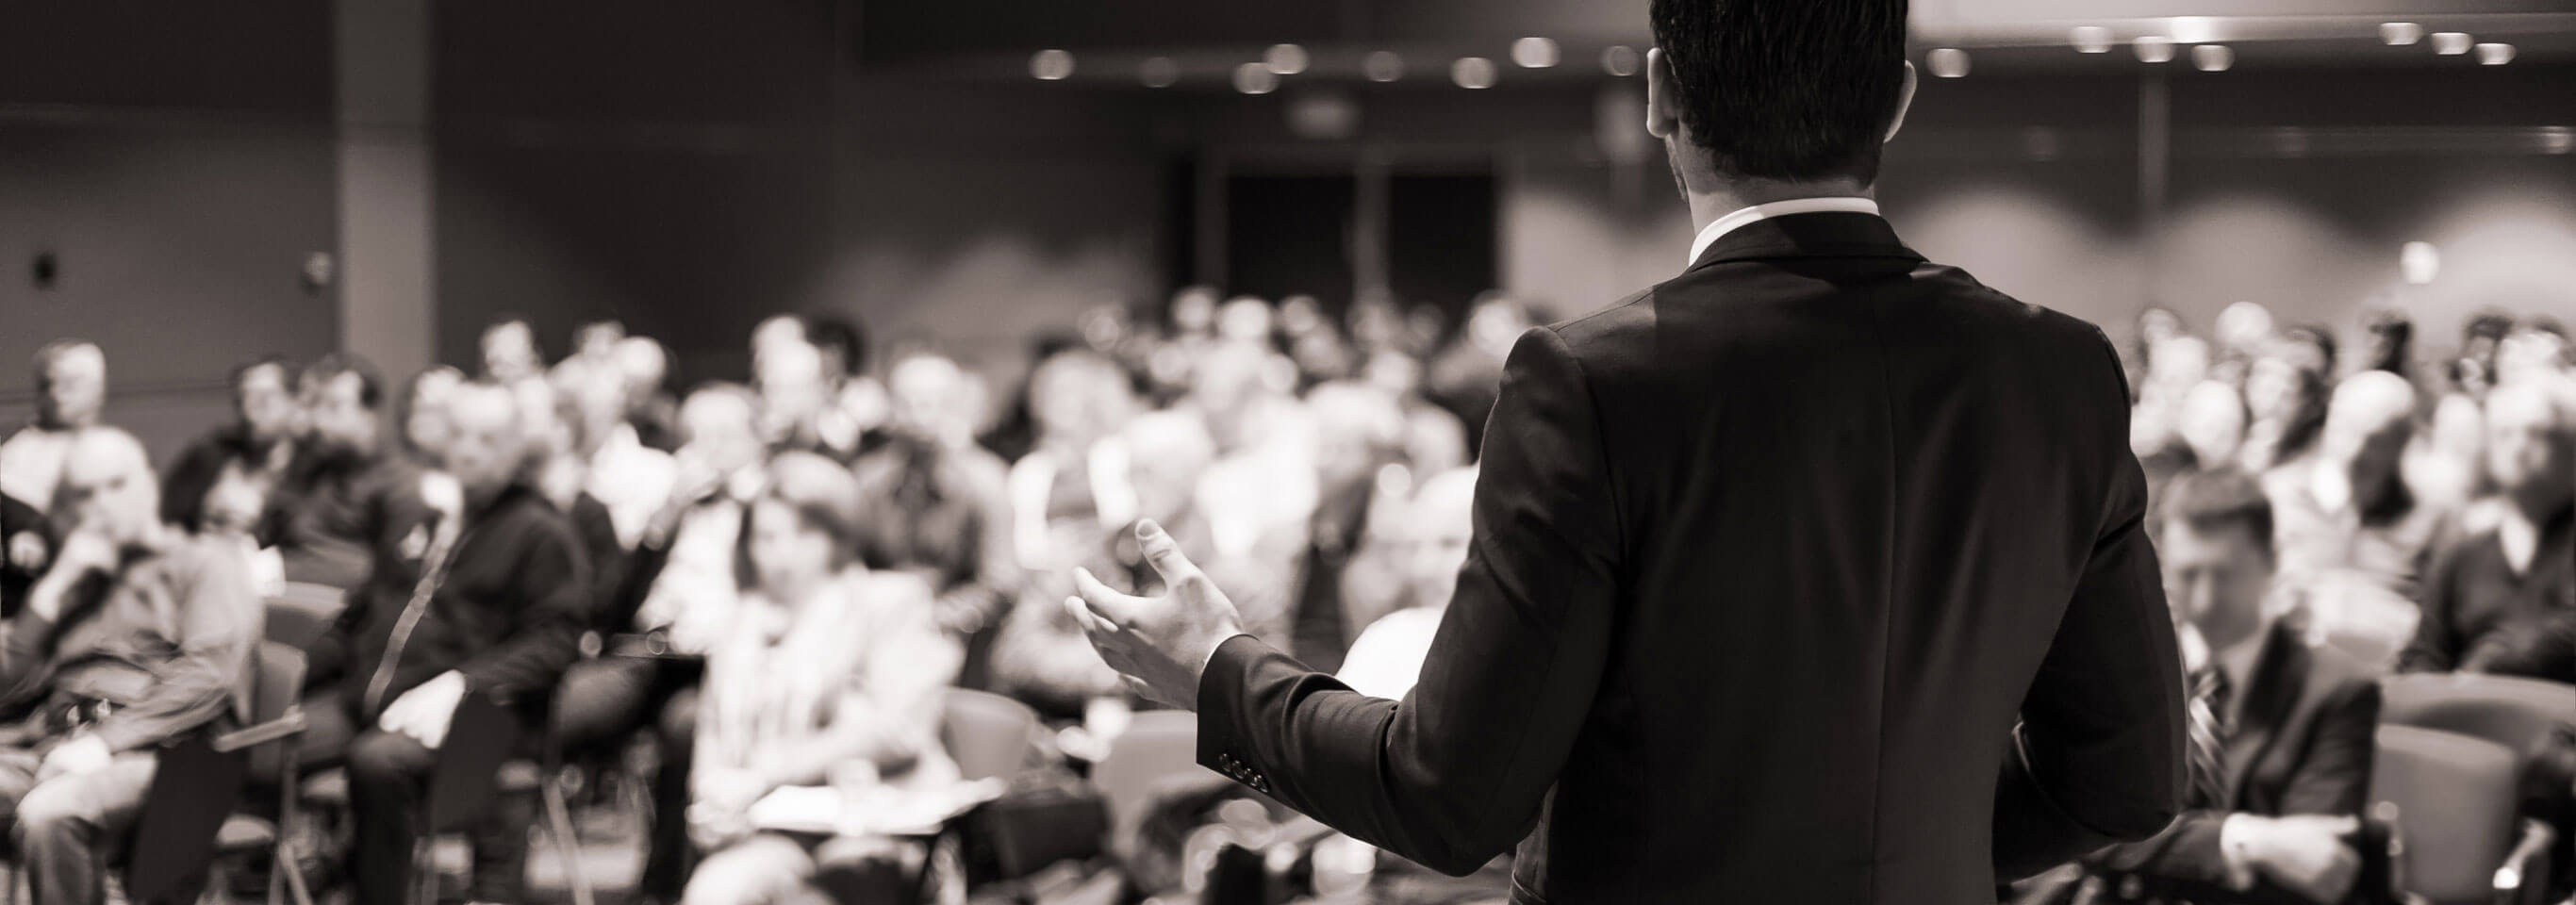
[318,514]
[257,442]
[499,593]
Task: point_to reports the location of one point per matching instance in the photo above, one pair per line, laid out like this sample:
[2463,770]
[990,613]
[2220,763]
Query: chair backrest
[2455,801]
[1157,745]
[299,615]
[988,735]
[276,691]
[2509,711]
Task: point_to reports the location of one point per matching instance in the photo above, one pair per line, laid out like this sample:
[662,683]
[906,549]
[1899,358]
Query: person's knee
[758,870]
[376,755]
[54,811]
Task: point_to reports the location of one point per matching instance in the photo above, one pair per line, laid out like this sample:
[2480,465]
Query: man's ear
[1904,102]
[1663,102]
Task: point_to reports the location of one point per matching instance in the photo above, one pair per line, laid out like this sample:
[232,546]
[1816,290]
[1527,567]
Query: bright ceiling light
[1472,73]
[2451,43]
[2400,34]
[2212,57]
[2153,48]
[1051,64]
[1948,62]
[1284,59]
[1534,53]
[2495,53]
[2090,39]
[1255,78]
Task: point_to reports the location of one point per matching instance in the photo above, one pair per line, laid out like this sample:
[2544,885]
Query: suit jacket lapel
[2269,699]
[1830,234]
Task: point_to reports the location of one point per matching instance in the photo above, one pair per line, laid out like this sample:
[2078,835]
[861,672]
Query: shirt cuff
[2236,849]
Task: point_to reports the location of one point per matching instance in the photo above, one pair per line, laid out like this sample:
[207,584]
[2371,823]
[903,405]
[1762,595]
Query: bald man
[2351,536]
[71,389]
[138,634]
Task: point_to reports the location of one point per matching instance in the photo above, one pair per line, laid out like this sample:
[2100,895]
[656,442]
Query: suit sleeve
[2098,757]
[1454,774]
[2332,778]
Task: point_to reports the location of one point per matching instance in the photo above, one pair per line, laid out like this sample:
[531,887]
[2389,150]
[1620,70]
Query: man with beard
[328,510]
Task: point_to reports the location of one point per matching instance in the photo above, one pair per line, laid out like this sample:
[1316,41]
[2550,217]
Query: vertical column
[2155,164]
[387,270]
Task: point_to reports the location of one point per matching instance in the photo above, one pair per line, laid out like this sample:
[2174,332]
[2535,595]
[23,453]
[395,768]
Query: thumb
[1164,554]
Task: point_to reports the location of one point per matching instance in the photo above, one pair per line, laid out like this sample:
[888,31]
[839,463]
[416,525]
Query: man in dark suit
[2281,734]
[1813,574]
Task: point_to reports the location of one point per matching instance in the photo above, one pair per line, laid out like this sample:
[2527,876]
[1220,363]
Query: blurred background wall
[691,166]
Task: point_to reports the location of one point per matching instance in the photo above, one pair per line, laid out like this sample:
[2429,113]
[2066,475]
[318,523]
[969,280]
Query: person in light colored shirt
[831,675]
[1389,653]
[71,389]
[2352,537]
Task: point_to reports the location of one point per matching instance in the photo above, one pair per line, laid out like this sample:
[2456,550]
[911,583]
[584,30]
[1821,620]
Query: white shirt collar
[1743,217]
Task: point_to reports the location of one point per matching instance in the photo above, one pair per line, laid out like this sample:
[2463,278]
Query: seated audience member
[562,476]
[941,503]
[650,409]
[1358,429]
[2244,331]
[691,589]
[2350,534]
[420,416]
[71,390]
[1467,378]
[830,676]
[796,404]
[510,354]
[2504,600]
[1438,527]
[629,480]
[2177,364]
[2391,343]
[247,453]
[1041,656]
[26,547]
[2537,348]
[2280,738]
[322,513]
[138,634]
[856,404]
[2286,399]
[2444,468]
[485,597]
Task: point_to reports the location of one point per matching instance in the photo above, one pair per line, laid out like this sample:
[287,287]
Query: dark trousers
[388,797]
[605,701]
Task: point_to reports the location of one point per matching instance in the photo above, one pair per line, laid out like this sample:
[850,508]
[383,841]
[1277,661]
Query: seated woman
[830,675]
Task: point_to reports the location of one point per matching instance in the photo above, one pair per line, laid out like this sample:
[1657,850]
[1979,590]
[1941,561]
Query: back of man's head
[1788,90]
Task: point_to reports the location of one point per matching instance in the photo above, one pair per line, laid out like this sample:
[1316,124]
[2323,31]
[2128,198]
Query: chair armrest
[2524,878]
[251,736]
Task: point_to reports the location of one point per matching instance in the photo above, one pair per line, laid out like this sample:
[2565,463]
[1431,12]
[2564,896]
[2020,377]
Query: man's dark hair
[371,383]
[1786,89]
[835,334]
[2215,499]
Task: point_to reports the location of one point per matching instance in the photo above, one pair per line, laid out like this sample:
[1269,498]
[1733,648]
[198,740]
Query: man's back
[1858,493]
[1768,565]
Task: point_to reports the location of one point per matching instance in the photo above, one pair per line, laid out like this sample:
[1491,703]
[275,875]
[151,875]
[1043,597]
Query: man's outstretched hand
[1161,644]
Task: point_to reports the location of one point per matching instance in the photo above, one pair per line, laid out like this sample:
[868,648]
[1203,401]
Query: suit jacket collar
[2280,673]
[1809,235]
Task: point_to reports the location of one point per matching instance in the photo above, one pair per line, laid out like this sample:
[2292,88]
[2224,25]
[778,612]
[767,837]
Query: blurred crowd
[763,606]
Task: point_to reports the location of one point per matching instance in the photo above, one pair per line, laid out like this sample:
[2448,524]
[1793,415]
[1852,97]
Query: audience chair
[2510,711]
[1156,754]
[2457,839]
[298,615]
[470,774]
[278,706]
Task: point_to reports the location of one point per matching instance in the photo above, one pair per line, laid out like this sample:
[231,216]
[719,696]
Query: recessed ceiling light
[1619,60]
[2212,57]
[2400,34]
[1284,59]
[2090,39]
[1255,78]
[1383,66]
[1051,64]
[1948,62]
[2451,43]
[2153,48]
[1472,72]
[2495,53]
[1158,72]
[1534,53]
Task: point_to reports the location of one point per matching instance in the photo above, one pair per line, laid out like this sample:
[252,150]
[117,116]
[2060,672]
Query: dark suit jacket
[1769,562]
[2303,744]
